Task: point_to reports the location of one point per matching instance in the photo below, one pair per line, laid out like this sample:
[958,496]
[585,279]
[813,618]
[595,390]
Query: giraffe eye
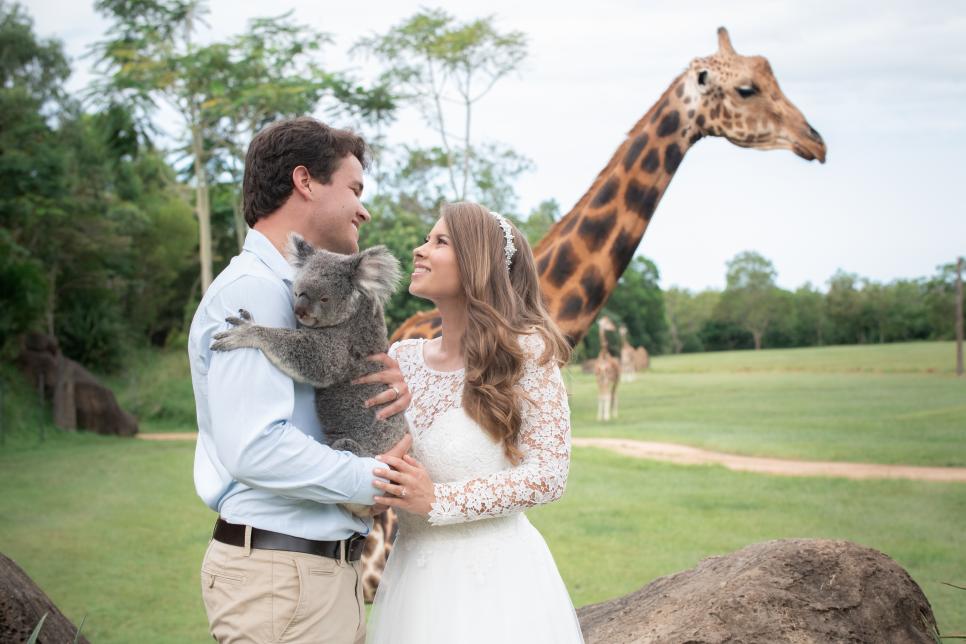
[747,91]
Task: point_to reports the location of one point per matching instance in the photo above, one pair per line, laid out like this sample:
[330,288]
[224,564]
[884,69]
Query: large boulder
[79,400]
[23,604]
[797,590]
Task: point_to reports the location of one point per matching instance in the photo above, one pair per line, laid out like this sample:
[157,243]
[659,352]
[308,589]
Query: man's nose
[364,213]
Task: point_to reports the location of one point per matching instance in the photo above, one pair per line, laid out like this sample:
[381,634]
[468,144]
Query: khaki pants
[266,596]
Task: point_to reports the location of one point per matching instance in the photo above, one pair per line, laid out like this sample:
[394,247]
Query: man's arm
[252,402]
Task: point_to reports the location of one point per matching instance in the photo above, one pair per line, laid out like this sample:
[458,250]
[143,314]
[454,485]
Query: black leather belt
[234,535]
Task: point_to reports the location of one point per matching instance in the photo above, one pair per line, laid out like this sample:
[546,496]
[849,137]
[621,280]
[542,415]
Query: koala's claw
[244,318]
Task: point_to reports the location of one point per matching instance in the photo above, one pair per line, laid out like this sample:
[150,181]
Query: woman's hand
[397,392]
[410,487]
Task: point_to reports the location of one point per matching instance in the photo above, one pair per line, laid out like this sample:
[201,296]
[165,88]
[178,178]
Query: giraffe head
[738,98]
[605,324]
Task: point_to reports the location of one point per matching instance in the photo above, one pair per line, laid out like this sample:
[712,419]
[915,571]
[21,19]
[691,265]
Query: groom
[283,564]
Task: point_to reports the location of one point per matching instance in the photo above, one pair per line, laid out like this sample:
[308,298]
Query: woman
[491,437]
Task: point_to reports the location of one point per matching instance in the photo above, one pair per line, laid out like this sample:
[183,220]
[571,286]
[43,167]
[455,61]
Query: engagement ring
[393,387]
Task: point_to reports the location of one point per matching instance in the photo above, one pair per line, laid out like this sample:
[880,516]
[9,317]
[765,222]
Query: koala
[339,303]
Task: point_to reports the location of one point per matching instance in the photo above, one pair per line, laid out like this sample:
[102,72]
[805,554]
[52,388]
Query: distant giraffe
[583,255]
[628,357]
[607,369]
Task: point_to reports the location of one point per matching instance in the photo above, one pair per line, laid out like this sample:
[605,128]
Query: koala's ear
[298,250]
[376,273]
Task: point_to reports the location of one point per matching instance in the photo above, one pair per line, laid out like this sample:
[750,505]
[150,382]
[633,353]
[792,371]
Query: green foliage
[444,67]
[23,291]
[750,301]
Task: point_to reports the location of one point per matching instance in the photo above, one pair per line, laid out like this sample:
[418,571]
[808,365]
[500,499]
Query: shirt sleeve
[541,476]
[252,404]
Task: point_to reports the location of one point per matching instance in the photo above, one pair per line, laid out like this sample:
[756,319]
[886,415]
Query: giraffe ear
[703,79]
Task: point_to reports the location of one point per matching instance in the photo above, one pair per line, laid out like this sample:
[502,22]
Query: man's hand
[397,391]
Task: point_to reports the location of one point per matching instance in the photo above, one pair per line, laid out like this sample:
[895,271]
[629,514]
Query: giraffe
[628,357]
[607,369]
[584,253]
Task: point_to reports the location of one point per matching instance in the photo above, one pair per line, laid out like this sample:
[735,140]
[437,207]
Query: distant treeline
[752,312]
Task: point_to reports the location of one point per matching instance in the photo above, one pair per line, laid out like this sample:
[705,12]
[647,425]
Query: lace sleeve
[545,442]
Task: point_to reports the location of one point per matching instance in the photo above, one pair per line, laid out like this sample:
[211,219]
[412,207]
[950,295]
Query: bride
[491,438]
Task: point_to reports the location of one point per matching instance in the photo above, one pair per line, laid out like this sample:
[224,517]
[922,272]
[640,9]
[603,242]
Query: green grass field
[112,529]
[877,404]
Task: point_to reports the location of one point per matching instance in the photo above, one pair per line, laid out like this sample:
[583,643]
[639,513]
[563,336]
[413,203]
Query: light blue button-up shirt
[259,460]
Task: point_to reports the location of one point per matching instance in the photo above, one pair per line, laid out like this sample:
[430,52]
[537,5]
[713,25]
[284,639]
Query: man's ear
[376,273]
[298,250]
[302,181]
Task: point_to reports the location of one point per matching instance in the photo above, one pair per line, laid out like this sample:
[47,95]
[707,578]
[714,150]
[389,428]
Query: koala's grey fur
[339,302]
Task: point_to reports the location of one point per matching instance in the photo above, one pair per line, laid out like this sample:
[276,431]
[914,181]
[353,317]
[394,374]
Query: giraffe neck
[584,254]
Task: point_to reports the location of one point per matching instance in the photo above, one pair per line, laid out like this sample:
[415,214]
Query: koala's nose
[300,309]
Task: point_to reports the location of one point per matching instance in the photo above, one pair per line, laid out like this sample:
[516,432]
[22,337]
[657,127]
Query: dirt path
[683,455]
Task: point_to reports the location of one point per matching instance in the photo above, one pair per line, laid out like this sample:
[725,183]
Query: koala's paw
[244,318]
[241,336]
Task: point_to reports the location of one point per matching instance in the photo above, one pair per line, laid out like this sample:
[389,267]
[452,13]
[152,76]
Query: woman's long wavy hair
[501,305]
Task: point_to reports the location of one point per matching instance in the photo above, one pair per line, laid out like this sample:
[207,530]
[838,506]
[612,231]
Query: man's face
[336,211]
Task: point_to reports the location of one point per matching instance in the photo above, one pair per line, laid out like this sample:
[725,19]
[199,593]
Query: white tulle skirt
[489,581]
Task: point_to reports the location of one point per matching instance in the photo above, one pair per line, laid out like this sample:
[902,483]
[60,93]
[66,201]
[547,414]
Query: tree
[274,75]
[751,299]
[223,92]
[809,316]
[638,303]
[687,313]
[439,62]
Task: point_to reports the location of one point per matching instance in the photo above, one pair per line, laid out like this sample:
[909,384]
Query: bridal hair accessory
[509,249]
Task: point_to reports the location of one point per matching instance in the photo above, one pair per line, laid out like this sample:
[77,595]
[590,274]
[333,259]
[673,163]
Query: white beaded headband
[509,249]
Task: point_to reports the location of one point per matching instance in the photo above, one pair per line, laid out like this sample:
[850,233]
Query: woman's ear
[298,250]
[376,273]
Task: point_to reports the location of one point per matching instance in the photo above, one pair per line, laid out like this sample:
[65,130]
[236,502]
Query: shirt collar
[262,248]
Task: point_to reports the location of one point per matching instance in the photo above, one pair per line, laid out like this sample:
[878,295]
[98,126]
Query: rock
[23,603]
[79,400]
[797,590]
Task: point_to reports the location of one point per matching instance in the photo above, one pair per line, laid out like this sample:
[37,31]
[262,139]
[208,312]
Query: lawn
[877,404]
[112,528]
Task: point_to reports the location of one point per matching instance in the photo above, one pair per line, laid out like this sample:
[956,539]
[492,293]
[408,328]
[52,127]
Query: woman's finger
[395,463]
[382,398]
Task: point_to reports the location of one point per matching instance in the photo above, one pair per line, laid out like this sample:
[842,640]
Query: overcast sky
[883,82]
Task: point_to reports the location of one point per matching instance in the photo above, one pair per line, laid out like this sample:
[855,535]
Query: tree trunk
[241,227]
[757,336]
[202,203]
[959,317]
[51,301]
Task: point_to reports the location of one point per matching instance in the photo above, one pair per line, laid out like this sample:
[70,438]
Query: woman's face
[435,273]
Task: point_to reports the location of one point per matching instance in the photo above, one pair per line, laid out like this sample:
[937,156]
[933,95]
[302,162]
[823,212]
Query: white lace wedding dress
[476,570]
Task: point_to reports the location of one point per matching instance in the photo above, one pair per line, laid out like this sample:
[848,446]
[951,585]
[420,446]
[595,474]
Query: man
[283,564]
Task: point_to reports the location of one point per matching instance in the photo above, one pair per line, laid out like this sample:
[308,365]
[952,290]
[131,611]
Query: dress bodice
[473,476]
